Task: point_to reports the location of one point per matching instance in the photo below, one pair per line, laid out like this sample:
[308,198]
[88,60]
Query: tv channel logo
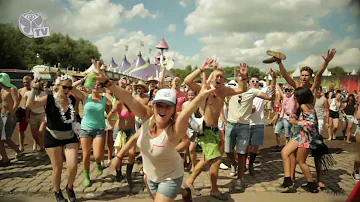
[33,25]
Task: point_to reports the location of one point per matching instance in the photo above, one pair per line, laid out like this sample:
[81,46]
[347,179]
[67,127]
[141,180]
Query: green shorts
[209,143]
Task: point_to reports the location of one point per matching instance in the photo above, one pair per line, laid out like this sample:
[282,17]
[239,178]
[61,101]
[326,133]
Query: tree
[337,71]
[19,51]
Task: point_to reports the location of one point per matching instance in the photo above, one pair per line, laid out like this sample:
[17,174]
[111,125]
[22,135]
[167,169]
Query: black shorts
[51,142]
[334,114]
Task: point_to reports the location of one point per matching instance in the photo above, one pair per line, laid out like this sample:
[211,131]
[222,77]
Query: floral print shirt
[306,129]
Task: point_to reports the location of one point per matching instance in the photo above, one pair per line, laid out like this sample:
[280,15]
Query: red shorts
[23,123]
[277,107]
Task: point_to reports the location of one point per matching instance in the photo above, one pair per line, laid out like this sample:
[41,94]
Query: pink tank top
[288,106]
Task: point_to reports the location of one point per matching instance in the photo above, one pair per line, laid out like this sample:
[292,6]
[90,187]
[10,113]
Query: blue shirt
[94,118]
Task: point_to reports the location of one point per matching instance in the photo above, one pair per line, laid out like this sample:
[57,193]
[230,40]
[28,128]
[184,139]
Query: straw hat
[152,79]
[141,84]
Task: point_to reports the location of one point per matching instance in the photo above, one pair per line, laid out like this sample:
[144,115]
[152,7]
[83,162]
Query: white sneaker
[233,171]
[356,176]
[223,166]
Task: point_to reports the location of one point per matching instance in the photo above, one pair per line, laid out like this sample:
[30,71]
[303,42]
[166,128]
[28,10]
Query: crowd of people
[165,123]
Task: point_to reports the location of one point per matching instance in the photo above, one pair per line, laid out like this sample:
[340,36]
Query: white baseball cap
[167,96]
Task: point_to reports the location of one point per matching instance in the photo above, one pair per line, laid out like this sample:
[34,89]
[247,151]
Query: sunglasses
[67,87]
[240,98]
[26,82]
[254,81]
[287,90]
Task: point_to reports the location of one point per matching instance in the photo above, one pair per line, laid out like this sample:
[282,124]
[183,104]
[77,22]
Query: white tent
[296,73]
[353,72]
[326,73]
[90,69]
[113,66]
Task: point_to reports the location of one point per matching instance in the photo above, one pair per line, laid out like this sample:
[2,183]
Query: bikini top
[126,114]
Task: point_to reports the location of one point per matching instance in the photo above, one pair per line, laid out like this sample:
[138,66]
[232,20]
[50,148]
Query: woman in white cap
[158,138]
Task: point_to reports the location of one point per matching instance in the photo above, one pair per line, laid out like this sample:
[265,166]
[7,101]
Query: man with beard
[305,77]
[23,113]
[211,109]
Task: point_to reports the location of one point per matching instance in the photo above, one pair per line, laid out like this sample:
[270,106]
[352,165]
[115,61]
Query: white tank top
[333,106]
[161,161]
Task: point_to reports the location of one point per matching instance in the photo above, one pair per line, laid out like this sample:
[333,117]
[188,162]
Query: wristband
[201,70]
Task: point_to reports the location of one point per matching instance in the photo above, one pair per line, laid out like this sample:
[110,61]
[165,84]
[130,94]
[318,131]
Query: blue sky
[231,31]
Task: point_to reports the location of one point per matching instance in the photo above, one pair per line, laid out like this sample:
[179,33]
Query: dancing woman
[59,135]
[158,138]
[305,128]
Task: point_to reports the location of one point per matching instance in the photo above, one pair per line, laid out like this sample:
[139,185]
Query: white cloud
[109,47]
[171,28]
[78,19]
[231,49]
[348,59]
[183,4]
[351,28]
[249,16]
[346,43]
[139,10]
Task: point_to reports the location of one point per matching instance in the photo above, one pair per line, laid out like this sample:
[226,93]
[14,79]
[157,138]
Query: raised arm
[77,93]
[330,55]
[30,101]
[115,108]
[280,90]
[286,76]
[140,110]
[271,87]
[190,79]
[162,78]
[241,80]
[182,121]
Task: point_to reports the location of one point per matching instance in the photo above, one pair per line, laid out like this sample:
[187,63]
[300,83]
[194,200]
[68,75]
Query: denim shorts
[348,118]
[7,126]
[256,135]
[283,124]
[169,188]
[129,132]
[92,133]
[236,135]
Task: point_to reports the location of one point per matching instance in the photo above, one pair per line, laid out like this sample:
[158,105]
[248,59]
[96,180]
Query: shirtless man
[209,141]
[10,103]
[305,77]
[141,90]
[23,113]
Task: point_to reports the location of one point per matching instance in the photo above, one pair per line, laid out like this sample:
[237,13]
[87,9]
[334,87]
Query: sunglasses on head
[67,87]
[255,81]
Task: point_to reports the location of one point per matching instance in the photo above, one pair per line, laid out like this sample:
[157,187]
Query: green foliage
[337,71]
[20,51]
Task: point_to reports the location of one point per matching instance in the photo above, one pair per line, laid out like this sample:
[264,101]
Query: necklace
[62,111]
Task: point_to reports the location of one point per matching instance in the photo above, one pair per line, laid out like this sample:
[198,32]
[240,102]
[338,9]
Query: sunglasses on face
[287,90]
[254,81]
[67,87]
